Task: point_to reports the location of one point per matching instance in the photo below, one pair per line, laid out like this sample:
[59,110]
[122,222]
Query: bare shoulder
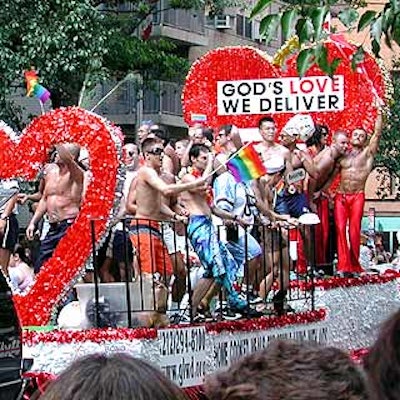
[145,173]
[187,178]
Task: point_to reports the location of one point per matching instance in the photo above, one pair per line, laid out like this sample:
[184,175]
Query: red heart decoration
[362,86]
[24,157]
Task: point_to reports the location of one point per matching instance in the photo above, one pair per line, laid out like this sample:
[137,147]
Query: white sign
[183,354]
[232,347]
[281,95]
[295,176]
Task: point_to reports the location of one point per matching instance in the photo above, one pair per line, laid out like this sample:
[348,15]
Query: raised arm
[75,170]
[376,137]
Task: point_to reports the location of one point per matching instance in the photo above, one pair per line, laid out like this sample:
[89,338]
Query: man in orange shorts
[145,202]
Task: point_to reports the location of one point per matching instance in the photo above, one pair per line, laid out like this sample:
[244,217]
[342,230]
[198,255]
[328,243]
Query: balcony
[161,104]
[186,27]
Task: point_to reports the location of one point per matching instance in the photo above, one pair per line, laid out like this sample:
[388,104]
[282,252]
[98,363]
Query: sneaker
[230,315]
[253,299]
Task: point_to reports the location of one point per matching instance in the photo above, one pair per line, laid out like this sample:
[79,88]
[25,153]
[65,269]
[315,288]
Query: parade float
[236,85]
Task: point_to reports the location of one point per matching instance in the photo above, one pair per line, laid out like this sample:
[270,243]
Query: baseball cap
[301,125]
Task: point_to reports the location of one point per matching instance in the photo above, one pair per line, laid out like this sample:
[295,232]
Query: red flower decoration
[25,157]
[362,87]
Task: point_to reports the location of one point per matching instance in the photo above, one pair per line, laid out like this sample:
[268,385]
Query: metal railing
[147,295]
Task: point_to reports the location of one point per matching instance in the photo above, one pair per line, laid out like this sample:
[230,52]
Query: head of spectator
[340,142]
[267,128]
[153,152]
[144,130]
[287,371]
[196,134]
[224,135]
[180,147]
[319,138]
[382,362]
[131,155]
[198,156]
[114,377]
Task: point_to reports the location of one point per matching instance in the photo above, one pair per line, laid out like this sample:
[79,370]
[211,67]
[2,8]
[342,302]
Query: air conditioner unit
[223,22]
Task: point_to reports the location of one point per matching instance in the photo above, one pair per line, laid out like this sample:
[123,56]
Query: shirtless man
[145,202]
[218,262]
[325,161]
[355,167]
[268,147]
[61,200]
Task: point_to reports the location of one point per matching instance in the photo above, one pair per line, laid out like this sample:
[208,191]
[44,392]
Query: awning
[383,224]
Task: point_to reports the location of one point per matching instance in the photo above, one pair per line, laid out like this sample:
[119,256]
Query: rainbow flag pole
[244,164]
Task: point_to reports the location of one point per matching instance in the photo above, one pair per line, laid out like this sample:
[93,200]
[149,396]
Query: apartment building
[195,34]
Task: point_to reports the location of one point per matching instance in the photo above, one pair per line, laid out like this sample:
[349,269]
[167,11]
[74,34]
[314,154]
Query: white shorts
[174,243]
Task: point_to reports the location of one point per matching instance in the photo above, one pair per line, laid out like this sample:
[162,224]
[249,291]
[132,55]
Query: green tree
[388,157]
[305,18]
[82,42]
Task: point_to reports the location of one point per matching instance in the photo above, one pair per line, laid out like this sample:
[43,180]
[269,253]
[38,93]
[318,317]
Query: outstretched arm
[376,137]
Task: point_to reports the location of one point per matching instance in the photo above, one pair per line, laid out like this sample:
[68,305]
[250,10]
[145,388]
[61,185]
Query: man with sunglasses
[145,203]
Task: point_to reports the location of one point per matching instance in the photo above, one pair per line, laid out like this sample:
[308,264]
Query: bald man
[61,200]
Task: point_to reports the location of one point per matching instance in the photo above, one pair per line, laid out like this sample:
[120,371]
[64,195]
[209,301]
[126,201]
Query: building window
[244,26]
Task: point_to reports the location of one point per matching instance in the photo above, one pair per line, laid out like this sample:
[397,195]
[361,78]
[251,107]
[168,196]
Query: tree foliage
[306,20]
[388,156]
[76,42]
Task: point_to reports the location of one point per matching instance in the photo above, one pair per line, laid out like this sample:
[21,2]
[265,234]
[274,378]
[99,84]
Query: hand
[22,198]
[313,207]
[293,221]
[181,218]
[299,154]
[242,222]
[30,231]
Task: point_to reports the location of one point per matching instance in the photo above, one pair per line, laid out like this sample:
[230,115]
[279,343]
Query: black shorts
[49,243]
[10,237]
[119,248]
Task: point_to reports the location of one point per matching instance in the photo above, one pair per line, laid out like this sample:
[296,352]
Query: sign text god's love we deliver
[281,95]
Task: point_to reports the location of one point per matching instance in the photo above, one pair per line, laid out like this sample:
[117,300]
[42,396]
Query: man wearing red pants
[355,167]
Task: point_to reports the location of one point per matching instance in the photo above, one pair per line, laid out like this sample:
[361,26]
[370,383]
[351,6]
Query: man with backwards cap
[292,198]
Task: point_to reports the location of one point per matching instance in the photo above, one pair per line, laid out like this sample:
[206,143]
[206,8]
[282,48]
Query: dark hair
[196,149]
[290,370]
[208,133]
[148,143]
[118,376]
[20,250]
[382,363]
[265,119]
[162,134]
[315,139]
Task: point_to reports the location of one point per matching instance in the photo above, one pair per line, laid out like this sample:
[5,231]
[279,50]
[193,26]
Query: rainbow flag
[246,164]
[33,88]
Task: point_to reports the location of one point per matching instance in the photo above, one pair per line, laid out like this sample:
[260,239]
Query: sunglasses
[156,152]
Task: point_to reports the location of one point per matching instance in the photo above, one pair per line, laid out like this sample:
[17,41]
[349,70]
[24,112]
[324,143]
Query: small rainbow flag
[33,88]
[246,164]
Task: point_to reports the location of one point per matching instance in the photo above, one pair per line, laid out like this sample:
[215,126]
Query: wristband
[2,217]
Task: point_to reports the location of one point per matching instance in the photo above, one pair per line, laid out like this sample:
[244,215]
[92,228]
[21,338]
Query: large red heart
[361,87]
[23,158]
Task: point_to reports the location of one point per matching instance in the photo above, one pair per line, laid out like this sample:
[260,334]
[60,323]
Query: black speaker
[11,363]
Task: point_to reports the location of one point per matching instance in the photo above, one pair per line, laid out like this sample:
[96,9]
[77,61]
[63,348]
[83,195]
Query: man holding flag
[220,266]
